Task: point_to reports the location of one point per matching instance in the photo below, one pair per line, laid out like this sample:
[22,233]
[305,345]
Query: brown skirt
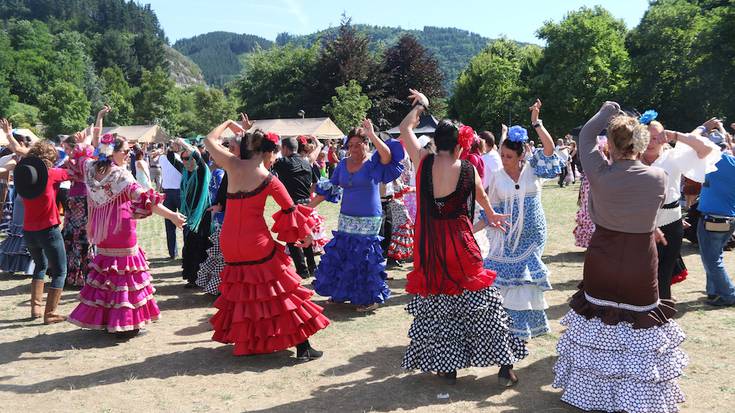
[620,281]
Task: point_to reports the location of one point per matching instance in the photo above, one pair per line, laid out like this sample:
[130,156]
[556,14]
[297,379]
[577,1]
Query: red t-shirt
[41,212]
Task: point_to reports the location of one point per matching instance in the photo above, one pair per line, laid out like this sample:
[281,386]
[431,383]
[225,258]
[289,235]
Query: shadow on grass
[198,361]
[387,388]
[564,257]
[61,341]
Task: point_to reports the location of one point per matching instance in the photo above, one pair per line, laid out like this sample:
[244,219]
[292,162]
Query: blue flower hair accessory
[648,116]
[518,134]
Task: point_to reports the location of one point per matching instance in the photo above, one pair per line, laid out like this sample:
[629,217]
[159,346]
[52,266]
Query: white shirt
[563,153]
[678,161]
[170,177]
[492,163]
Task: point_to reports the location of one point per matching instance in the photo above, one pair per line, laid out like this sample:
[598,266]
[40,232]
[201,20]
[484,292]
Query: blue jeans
[47,250]
[711,247]
[172,202]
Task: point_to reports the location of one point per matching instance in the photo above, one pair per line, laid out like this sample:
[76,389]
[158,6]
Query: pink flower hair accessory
[466,137]
[273,137]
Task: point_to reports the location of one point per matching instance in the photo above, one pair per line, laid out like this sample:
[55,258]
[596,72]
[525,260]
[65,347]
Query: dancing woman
[262,307]
[14,255]
[195,177]
[118,295]
[352,267]
[459,320]
[620,351]
[516,255]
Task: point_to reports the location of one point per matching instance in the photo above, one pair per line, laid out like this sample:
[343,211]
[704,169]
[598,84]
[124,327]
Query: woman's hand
[535,109]
[305,243]
[178,219]
[499,221]
[367,126]
[216,208]
[418,98]
[6,126]
[658,235]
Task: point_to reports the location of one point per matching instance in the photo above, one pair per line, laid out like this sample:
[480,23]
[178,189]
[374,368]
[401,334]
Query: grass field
[177,368]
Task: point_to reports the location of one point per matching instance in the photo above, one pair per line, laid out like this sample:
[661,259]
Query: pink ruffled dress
[118,295]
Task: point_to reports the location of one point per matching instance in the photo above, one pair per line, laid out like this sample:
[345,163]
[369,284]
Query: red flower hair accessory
[107,139]
[273,137]
[466,137]
[303,140]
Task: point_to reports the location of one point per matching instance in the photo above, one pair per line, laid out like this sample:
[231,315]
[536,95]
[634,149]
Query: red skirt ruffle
[263,308]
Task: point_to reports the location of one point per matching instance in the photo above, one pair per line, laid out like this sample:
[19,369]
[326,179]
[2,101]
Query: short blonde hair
[627,135]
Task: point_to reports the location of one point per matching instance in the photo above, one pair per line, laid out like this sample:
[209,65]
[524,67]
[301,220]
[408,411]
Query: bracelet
[420,104]
[538,124]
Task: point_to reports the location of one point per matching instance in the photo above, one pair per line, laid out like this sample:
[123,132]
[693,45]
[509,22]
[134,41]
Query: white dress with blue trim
[516,254]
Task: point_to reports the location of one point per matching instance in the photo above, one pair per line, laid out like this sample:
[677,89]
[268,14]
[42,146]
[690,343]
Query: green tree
[349,106]
[157,100]
[64,108]
[6,99]
[584,63]
[119,95]
[491,86]
[276,83]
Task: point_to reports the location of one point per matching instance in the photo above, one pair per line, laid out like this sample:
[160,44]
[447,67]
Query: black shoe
[393,264]
[448,378]
[719,302]
[305,352]
[506,376]
[711,296]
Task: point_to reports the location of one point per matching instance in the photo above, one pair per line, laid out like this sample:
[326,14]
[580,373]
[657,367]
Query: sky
[517,20]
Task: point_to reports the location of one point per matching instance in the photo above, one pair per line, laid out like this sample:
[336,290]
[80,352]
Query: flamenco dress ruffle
[262,307]
[208,276]
[14,256]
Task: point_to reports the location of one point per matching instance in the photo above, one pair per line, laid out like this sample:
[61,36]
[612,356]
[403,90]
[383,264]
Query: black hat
[30,176]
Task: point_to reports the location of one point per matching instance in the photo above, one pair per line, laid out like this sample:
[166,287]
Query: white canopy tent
[140,133]
[24,132]
[322,128]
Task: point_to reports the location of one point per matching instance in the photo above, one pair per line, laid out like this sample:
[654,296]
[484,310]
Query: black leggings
[668,255]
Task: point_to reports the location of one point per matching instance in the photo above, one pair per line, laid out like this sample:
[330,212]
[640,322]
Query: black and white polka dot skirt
[451,332]
[618,368]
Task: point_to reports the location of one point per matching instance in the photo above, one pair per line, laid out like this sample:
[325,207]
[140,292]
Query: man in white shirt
[491,158]
[171,185]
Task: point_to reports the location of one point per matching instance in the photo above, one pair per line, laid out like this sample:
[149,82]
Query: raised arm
[171,157]
[313,155]
[696,140]
[409,123]
[589,153]
[380,146]
[98,124]
[546,140]
[13,144]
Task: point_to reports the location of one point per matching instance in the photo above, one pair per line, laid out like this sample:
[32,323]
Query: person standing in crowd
[573,159]
[717,224]
[14,255]
[78,250]
[353,267]
[621,349]
[401,236]
[491,158]
[562,152]
[693,157]
[307,150]
[459,320]
[195,203]
[142,171]
[154,158]
[516,255]
[37,181]
[257,277]
[296,174]
[332,158]
[585,227]
[118,295]
[171,184]
[409,198]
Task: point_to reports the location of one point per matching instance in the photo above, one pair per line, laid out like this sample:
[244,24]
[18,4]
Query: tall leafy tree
[409,65]
[119,95]
[584,63]
[278,83]
[6,98]
[157,100]
[349,106]
[492,86]
[64,108]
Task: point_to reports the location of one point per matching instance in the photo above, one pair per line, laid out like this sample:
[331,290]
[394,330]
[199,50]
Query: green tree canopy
[64,108]
[349,106]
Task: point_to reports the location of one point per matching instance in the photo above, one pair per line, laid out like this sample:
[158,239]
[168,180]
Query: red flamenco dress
[262,307]
[459,320]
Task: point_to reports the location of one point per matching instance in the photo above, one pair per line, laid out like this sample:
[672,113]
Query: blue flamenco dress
[515,256]
[352,268]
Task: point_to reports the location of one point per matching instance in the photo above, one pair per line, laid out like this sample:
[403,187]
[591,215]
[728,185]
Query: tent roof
[427,126]
[140,133]
[25,132]
[322,128]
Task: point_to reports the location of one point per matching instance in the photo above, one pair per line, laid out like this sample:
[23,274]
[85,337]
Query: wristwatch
[538,123]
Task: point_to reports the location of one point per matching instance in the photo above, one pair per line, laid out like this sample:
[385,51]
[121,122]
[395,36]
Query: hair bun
[641,138]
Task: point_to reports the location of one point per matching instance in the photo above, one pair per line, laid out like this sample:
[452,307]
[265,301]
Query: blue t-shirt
[361,194]
[718,190]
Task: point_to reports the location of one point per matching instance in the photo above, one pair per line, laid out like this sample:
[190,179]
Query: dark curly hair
[45,151]
[517,147]
[255,142]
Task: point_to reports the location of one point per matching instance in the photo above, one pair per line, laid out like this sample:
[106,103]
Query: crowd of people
[411,199]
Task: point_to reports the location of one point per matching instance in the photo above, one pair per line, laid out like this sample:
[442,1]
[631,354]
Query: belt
[254,262]
[672,205]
